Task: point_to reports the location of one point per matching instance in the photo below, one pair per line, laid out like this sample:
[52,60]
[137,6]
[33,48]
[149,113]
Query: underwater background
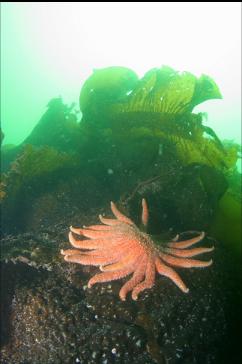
[119,102]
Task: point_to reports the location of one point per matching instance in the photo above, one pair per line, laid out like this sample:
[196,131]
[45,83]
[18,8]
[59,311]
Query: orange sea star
[120,248]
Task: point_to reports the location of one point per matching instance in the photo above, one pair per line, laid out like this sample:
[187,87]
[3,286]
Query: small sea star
[120,248]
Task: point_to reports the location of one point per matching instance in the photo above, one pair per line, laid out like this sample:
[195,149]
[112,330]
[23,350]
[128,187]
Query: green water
[50,50]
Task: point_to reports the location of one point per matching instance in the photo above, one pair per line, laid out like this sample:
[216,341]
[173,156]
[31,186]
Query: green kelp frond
[205,151]
[167,91]
[160,104]
[169,97]
[205,89]
[188,139]
[233,153]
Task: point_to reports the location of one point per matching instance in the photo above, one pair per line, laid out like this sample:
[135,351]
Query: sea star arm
[168,272]
[113,248]
[94,234]
[70,252]
[137,277]
[148,281]
[186,243]
[89,244]
[109,276]
[187,253]
[76,230]
[119,215]
[145,213]
[89,259]
[184,262]
[110,222]
[99,227]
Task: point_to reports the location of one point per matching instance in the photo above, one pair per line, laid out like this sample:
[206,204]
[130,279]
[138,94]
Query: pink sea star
[120,248]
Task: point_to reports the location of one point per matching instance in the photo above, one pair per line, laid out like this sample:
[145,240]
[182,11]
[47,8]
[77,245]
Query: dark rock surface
[49,315]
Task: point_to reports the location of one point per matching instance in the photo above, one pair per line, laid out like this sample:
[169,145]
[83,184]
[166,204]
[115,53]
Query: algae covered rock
[57,128]
[36,171]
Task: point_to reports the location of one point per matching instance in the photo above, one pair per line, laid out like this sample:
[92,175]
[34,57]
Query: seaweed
[167,91]
[105,86]
[159,106]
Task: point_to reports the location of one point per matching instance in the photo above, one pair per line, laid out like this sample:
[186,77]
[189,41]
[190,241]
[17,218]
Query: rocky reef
[135,138]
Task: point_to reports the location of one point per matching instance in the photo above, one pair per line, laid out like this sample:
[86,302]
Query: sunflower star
[120,248]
